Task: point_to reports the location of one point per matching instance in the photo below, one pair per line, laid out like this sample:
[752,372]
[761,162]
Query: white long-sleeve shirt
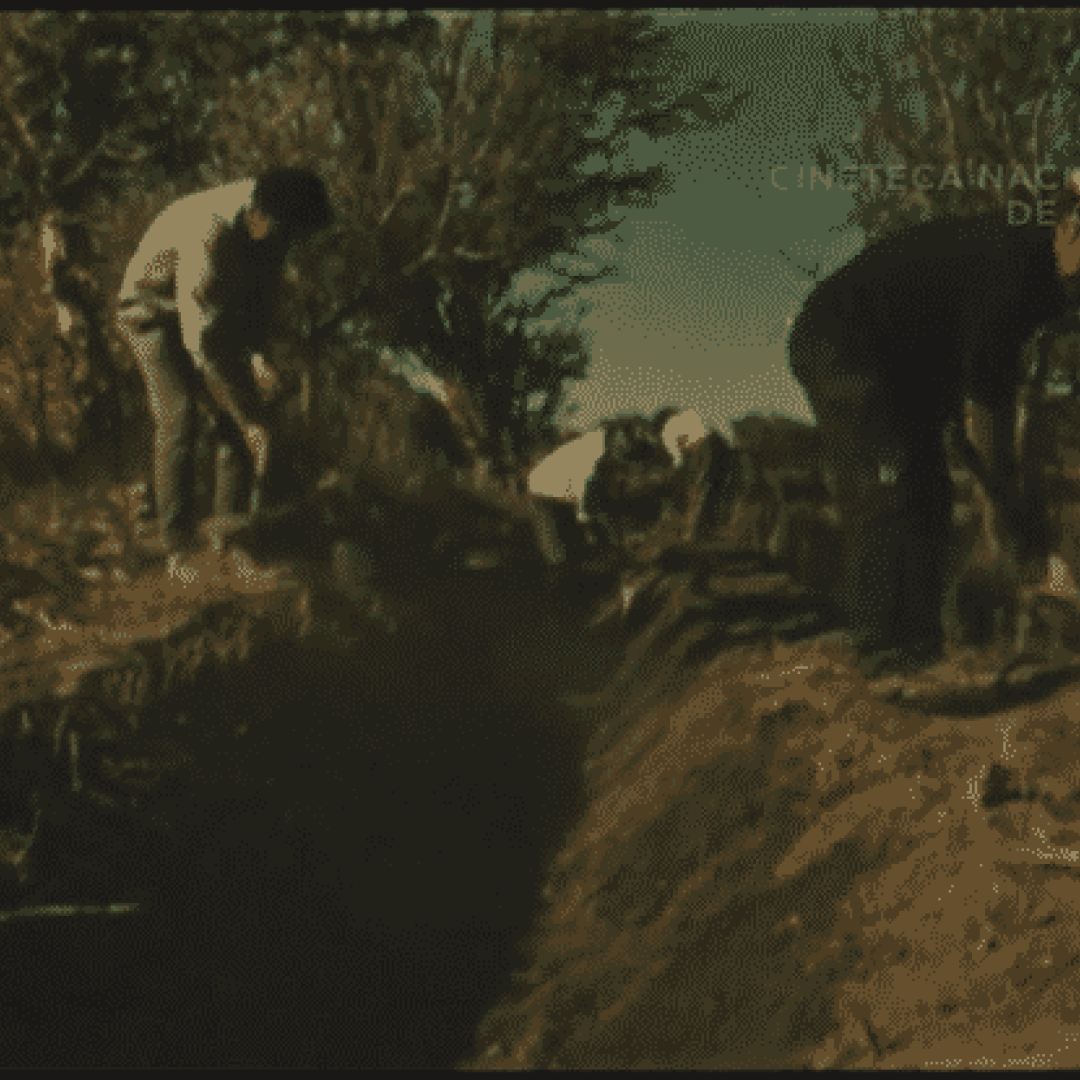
[199,254]
[564,473]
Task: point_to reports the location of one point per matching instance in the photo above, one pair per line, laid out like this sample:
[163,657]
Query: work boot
[1045,641]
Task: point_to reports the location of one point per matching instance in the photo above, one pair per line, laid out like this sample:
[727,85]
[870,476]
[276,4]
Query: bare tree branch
[812,274]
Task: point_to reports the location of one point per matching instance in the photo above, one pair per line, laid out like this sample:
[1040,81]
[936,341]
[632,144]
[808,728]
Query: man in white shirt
[572,472]
[195,307]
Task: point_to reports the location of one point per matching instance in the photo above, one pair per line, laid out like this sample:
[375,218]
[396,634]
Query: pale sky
[702,319]
[701,316]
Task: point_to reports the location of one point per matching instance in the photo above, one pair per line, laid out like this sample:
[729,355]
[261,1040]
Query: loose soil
[340,810]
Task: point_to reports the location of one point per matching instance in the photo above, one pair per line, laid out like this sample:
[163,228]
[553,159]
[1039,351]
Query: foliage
[93,102]
[477,158]
[457,155]
[960,90]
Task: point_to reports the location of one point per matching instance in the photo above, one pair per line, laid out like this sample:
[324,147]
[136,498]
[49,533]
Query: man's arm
[991,341]
[989,433]
[266,378]
[979,426]
[197,318]
[268,275]
[201,323]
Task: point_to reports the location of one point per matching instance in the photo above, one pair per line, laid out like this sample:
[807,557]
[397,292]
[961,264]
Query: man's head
[1067,236]
[681,432]
[291,200]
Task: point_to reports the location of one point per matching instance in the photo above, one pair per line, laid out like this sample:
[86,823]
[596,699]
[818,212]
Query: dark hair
[295,198]
[1067,203]
[662,417]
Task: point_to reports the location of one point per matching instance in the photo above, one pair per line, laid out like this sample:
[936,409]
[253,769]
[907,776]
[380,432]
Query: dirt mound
[777,869]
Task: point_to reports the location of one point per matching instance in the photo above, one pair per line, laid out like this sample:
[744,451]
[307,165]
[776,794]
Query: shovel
[255,436]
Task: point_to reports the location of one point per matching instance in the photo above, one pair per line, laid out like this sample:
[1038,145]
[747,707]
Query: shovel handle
[256,437]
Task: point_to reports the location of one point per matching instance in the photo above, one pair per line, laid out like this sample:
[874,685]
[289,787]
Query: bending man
[195,307]
[888,350]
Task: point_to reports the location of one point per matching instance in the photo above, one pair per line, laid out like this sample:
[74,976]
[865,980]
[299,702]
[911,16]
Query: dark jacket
[943,307]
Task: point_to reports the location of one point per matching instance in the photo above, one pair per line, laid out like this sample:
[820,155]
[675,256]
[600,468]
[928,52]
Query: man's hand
[266,379]
[219,389]
[258,443]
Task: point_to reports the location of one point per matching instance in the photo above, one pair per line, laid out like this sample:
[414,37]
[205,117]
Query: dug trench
[362,824]
[338,847]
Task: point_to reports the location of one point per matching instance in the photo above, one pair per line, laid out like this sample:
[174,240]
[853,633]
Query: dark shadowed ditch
[350,852]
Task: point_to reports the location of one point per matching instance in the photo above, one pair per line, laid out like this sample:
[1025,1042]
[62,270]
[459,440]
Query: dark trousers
[885,450]
[174,388]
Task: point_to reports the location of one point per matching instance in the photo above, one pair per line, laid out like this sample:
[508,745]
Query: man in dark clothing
[195,307]
[888,350]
